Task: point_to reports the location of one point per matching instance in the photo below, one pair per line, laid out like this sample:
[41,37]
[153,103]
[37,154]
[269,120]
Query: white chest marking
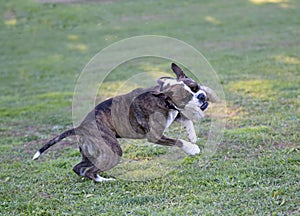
[171,117]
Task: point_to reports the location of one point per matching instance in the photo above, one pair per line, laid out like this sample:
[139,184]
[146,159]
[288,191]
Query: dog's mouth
[204,106]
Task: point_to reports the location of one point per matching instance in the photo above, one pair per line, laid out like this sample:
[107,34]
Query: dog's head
[188,96]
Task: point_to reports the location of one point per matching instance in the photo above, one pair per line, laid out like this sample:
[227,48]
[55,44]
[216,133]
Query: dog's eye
[194,88]
[192,85]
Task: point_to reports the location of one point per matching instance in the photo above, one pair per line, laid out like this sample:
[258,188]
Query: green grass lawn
[253,46]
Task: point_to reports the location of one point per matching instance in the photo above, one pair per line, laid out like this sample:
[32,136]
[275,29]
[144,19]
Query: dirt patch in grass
[32,146]
[34,137]
[284,145]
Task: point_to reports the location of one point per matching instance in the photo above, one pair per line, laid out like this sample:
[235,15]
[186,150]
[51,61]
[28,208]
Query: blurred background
[253,45]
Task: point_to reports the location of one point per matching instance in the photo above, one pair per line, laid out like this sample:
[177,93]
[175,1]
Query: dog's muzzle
[204,106]
[202,98]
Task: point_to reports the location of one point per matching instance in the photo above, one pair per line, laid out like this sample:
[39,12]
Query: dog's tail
[53,141]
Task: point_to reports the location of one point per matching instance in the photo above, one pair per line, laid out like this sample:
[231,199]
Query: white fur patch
[189,148]
[172,82]
[101,179]
[192,110]
[171,117]
[200,92]
[36,155]
[188,124]
[212,96]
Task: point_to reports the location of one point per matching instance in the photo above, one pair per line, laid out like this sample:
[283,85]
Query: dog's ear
[178,71]
[160,83]
[166,98]
[212,96]
[164,95]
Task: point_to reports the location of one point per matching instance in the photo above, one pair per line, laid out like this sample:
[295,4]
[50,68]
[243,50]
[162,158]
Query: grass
[254,47]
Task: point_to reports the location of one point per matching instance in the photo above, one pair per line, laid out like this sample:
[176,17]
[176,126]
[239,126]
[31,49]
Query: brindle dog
[142,113]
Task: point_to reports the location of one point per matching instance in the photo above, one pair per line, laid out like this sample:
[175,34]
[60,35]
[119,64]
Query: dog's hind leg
[88,169]
[84,165]
[91,173]
[100,151]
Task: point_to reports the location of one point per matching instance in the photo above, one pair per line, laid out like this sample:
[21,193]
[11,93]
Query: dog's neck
[171,105]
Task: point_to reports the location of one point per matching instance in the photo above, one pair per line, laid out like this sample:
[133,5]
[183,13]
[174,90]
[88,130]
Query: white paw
[189,148]
[101,179]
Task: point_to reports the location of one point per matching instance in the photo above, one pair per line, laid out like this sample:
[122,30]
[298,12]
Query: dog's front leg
[155,130]
[188,124]
[187,147]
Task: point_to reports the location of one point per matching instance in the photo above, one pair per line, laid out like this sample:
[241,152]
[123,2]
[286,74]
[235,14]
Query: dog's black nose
[201,97]
[204,106]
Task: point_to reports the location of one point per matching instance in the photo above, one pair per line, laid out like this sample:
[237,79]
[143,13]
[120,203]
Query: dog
[140,114]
